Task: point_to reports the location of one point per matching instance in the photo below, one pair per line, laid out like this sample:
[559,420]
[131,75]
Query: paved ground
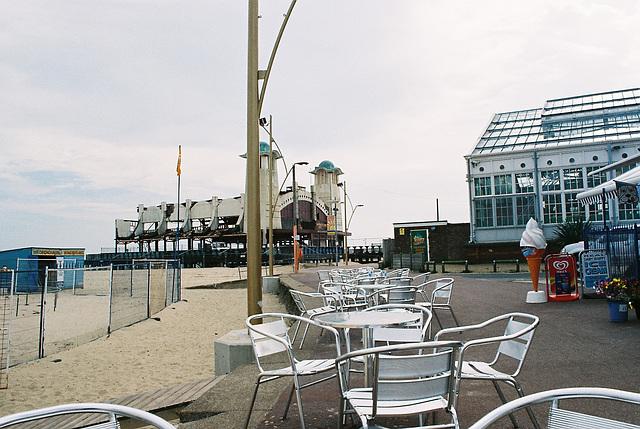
[575,345]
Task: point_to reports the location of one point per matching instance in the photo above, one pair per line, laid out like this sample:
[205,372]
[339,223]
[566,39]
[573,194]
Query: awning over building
[609,188]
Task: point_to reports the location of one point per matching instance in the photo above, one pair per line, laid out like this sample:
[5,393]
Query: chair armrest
[551,395]
[101,408]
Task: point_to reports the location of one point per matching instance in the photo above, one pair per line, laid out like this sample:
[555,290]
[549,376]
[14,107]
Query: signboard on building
[419,241]
[331,225]
[595,268]
[57,252]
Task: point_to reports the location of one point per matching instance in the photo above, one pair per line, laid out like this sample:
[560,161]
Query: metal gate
[621,244]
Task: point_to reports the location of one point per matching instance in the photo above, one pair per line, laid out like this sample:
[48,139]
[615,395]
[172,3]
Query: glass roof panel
[565,121]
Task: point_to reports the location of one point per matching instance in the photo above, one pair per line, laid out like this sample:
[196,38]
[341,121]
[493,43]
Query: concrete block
[232,350]
[270,284]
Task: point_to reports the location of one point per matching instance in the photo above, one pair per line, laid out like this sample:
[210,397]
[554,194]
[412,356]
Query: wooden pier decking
[153,401]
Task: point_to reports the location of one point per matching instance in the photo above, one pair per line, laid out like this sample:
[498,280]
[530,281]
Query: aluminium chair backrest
[406,377]
[441,294]
[335,276]
[346,296]
[297,299]
[397,281]
[406,333]
[269,338]
[56,416]
[400,272]
[323,275]
[517,347]
[564,419]
[420,278]
[401,295]
[365,280]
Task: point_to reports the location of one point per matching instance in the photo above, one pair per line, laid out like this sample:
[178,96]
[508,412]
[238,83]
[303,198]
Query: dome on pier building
[264,150]
[328,167]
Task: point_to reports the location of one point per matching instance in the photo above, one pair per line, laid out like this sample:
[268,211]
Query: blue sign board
[595,268]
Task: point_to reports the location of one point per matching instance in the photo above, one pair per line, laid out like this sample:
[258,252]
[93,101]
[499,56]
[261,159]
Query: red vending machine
[561,278]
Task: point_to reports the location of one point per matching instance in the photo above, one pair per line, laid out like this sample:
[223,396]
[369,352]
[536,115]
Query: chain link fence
[69,307]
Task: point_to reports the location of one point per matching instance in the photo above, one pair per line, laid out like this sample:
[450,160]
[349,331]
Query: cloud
[97,96]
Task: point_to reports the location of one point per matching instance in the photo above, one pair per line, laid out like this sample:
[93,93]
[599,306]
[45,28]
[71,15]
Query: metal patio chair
[420,278]
[400,272]
[513,346]
[393,295]
[299,297]
[439,298]
[408,380]
[407,333]
[561,418]
[87,415]
[270,340]
[345,296]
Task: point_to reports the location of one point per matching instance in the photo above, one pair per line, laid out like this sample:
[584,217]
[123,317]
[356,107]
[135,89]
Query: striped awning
[609,188]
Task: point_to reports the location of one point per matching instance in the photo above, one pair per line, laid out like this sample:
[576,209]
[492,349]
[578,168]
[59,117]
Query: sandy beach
[149,355]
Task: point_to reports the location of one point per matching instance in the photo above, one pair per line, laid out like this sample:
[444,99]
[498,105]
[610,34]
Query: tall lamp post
[272,141]
[343,185]
[296,245]
[255,100]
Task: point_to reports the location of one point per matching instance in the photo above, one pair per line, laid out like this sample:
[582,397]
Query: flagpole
[176,266]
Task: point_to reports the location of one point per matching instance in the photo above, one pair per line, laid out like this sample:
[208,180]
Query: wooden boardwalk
[154,401]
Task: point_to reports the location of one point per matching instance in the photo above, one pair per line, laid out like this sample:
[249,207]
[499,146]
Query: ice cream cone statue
[533,245]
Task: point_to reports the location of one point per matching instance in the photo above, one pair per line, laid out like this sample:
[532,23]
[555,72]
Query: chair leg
[286,408]
[504,401]
[433,311]
[295,387]
[295,333]
[304,335]
[365,422]
[253,400]
[516,385]
[299,399]
[455,319]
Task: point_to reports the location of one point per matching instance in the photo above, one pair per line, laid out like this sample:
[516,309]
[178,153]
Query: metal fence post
[43,310]
[148,289]
[110,298]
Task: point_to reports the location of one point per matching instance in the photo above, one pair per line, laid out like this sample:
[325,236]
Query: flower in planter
[619,289]
[634,293]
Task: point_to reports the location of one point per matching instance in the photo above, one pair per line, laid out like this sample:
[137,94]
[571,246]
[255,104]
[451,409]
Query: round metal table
[367,320]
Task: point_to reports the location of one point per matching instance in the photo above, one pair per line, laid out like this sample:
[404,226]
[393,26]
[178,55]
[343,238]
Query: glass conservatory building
[533,163]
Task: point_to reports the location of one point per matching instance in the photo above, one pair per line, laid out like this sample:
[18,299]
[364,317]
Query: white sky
[96,96]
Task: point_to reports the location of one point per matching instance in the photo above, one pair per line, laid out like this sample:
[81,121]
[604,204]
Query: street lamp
[263,122]
[343,185]
[255,99]
[296,261]
[272,141]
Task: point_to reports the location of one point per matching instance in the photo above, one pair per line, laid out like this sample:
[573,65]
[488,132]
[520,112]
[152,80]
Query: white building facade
[533,163]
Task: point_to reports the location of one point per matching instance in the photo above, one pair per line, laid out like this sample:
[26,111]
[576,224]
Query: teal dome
[328,166]
[264,150]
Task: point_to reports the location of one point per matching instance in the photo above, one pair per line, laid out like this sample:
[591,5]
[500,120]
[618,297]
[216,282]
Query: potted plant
[618,292]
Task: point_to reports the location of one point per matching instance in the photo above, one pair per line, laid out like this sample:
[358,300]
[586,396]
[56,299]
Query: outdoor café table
[367,320]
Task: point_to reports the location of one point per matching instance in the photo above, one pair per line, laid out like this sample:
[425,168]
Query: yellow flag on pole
[179,160]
